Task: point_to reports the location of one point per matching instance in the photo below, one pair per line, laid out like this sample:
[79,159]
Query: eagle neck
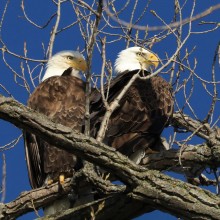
[56,71]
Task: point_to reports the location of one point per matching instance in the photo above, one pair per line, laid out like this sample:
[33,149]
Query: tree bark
[191,159]
[149,187]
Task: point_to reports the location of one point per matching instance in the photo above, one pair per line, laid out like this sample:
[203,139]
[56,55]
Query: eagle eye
[69,57]
[139,54]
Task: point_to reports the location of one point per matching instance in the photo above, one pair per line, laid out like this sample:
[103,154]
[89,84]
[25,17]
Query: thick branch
[33,200]
[116,201]
[182,121]
[119,206]
[194,159]
[148,186]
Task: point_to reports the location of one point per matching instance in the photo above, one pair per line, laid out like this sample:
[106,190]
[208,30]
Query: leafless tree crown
[30,32]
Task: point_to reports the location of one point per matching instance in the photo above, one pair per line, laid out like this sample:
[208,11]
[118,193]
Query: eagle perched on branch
[136,124]
[61,97]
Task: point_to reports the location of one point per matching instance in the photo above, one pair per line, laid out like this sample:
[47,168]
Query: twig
[54,31]
[33,23]
[91,43]
[3,178]
[3,16]
[112,107]
[156,28]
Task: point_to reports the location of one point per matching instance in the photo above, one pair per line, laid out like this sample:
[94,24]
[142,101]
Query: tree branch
[33,200]
[149,186]
[194,159]
[164,27]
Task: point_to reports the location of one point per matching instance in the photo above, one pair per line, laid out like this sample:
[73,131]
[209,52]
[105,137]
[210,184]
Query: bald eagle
[134,128]
[61,97]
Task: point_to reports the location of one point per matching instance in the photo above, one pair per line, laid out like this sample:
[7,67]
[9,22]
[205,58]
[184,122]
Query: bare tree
[97,28]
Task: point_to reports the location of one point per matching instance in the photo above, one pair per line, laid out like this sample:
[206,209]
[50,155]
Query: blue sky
[16,31]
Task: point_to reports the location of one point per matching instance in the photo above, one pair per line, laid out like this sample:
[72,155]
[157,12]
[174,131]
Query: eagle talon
[49,182]
[61,179]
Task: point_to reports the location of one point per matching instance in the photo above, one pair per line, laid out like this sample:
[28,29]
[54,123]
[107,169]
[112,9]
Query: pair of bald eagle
[133,129]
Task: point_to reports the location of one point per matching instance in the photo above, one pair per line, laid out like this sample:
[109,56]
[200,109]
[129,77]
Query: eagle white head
[135,58]
[63,60]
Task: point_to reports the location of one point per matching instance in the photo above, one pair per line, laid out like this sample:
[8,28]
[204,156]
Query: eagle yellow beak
[153,60]
[79,64]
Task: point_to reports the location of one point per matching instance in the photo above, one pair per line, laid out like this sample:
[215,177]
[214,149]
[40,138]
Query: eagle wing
[34,160]
[62,99]
[142,114]
[97,109]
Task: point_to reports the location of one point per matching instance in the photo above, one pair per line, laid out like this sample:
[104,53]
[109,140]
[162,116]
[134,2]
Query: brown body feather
[142,114]
[62,99]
